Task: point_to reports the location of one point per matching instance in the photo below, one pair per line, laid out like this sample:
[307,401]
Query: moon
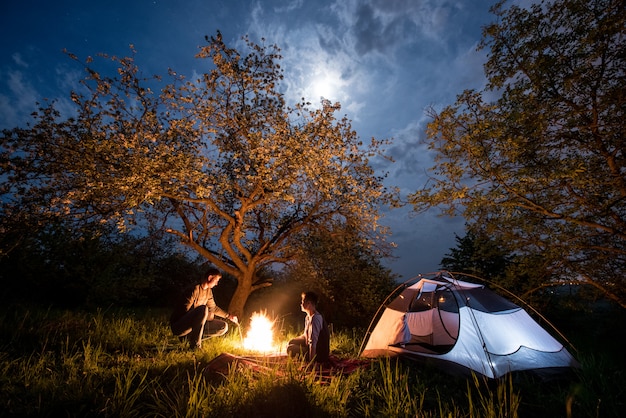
[326,83]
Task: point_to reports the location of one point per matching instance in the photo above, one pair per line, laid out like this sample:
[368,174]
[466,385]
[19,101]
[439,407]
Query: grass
[127,364]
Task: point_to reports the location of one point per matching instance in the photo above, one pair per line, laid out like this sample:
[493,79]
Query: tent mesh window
[433,321]
[487,301]
[423,302]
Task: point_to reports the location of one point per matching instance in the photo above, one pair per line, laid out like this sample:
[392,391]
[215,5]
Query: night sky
[385,61]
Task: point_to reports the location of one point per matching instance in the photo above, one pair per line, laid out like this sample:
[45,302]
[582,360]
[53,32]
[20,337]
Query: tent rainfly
[466,327]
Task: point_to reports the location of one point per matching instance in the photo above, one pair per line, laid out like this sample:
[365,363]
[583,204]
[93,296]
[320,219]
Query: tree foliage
[477,254]
[58,266]
[221,161]
[537,158]
[481,256]
[345,270]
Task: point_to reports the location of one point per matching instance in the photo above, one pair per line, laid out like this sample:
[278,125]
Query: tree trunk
[242,292]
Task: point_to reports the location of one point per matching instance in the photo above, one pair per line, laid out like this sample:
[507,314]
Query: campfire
[260,335]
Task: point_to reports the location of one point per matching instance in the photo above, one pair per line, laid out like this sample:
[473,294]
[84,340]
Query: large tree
[221,161]
[537,159]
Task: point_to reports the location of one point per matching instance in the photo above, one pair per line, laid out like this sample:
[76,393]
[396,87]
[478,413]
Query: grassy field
[127,364]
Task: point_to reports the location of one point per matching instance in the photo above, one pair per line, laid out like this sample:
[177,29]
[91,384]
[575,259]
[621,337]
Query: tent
[463,327]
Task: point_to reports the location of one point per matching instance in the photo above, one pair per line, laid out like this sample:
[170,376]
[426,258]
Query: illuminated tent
[463,327]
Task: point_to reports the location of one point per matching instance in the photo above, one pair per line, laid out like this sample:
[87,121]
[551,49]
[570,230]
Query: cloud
[349,50]
[20,102]
[369,32]
[383,26]
[422,240]
[17,59]
[291,6]
[68,79]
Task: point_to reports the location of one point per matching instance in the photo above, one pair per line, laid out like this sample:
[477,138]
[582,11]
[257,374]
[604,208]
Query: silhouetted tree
[537,158]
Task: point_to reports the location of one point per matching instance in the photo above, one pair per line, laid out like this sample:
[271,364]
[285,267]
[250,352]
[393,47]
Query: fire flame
[260,336]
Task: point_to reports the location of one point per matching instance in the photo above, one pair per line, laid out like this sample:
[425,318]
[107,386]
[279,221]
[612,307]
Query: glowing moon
[325,83]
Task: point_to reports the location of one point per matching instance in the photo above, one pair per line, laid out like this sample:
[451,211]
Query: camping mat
[226,363]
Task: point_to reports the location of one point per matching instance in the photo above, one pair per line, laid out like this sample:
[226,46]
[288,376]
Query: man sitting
[194,314]
[314,343]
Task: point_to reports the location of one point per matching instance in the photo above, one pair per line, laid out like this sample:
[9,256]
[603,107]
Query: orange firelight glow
[260,336]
